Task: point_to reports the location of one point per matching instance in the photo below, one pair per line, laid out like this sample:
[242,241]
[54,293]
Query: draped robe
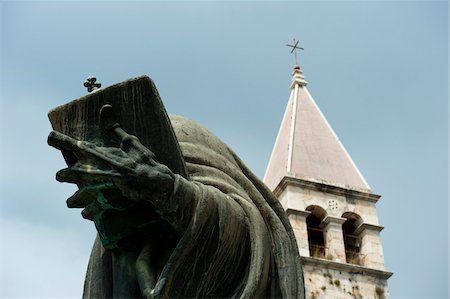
[236,240]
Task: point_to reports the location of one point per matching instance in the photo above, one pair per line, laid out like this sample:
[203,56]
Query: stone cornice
[349,268]
[325,187]
[332,219]
[367,226]
[298,212]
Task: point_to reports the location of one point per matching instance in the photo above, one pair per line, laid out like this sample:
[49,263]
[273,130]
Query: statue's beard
[123,224]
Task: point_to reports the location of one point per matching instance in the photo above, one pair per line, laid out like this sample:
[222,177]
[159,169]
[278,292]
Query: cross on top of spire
[294,47]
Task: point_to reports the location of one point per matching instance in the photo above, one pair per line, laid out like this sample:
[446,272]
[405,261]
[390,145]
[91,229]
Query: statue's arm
[178,208]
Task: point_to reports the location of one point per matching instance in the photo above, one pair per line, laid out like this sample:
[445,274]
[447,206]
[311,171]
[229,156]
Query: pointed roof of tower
[307,147]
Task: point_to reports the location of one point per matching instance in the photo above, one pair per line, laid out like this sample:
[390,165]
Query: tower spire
[307,147]
[330,206]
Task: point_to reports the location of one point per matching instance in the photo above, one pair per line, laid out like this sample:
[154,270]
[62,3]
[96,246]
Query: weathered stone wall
[322,282]
[299,198]
[331,275]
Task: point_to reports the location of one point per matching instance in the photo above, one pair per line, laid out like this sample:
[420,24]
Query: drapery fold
[238,242]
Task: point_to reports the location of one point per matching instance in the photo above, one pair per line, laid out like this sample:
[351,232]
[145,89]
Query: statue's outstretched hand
[130,168]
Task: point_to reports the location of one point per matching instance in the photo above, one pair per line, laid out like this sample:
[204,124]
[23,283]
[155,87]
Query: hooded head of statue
[178,214]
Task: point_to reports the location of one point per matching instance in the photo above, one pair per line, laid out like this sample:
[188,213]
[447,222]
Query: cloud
[42,261]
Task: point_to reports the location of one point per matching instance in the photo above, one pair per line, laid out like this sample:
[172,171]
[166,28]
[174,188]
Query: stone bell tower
[331,207]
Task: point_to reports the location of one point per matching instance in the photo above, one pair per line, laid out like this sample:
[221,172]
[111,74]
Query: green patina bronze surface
[178,214]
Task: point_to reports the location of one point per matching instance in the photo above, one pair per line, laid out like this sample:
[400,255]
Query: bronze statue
[178,214]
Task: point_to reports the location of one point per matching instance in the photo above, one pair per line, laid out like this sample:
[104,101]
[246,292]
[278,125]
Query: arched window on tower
[316,239]
[352,241]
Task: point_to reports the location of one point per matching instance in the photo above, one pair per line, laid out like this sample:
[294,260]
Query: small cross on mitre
[91,84]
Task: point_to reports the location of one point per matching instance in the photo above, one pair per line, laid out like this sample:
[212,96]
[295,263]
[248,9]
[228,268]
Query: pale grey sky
[378,71]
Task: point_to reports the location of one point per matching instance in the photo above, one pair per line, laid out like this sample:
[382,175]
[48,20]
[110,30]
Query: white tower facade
[331,207]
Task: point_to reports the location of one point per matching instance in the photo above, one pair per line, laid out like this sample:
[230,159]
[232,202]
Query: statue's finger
[67,175]
[87,194]
[109,124]
[80,199]
[90,154]
[90,211]
[63,142]
[85,174]
[132,145]
[81,149]
[107,118]
[128,143]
